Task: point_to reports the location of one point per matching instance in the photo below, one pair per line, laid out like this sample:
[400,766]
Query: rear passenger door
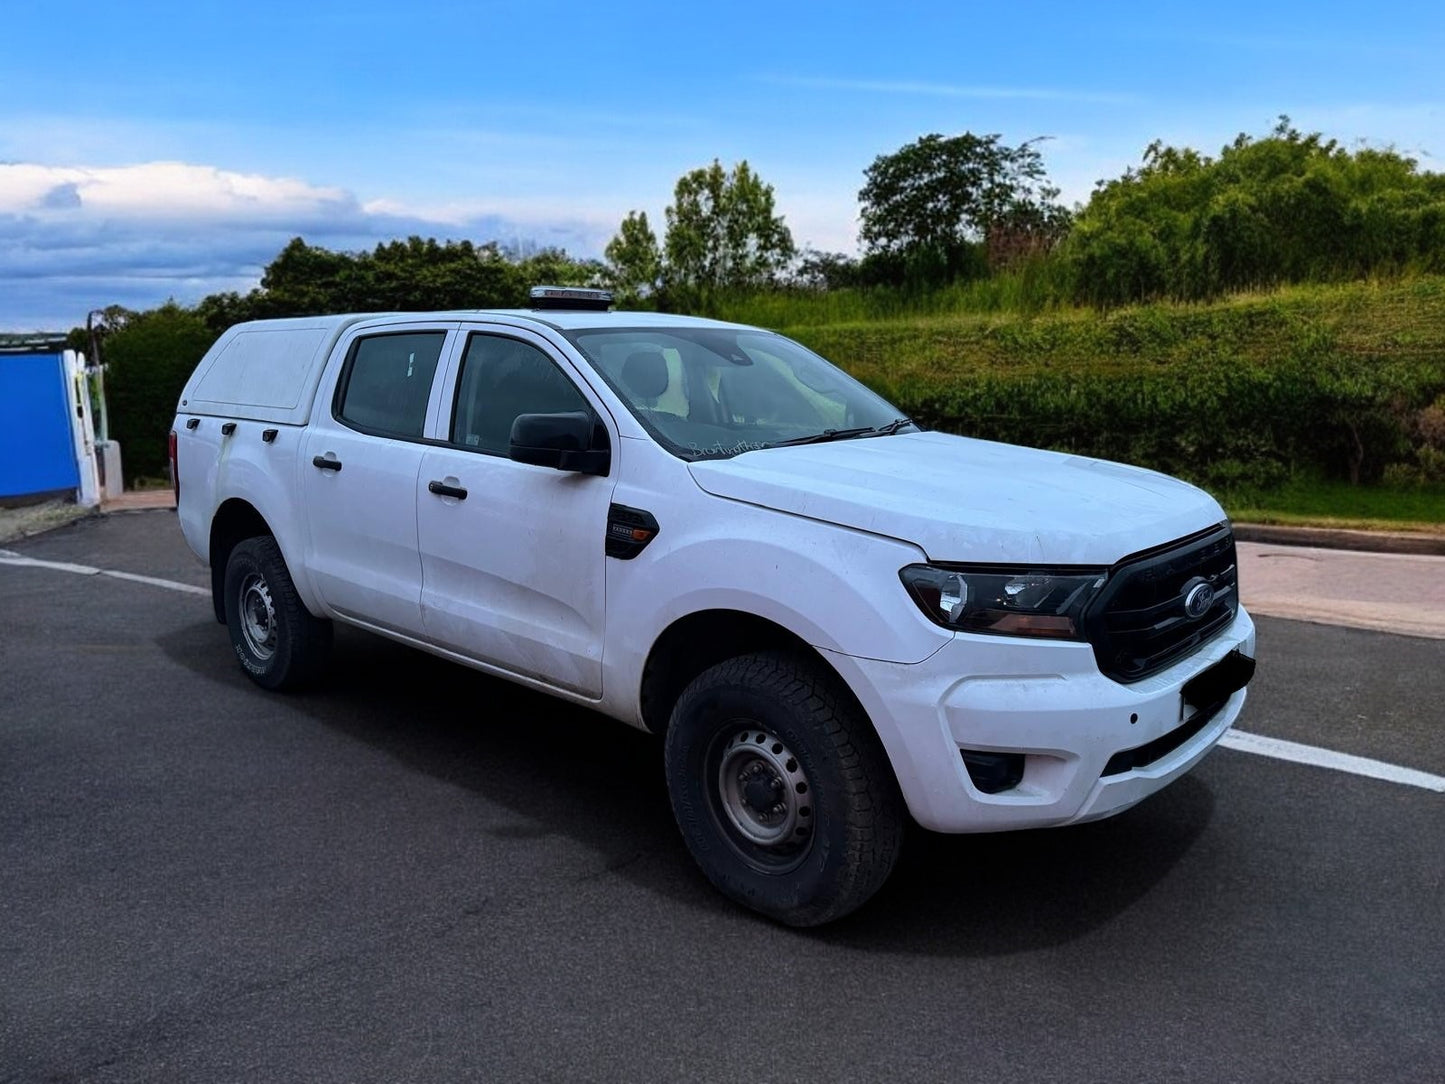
[359,467]
[512,554]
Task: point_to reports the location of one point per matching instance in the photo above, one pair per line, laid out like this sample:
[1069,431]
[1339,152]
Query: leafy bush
[1426,430]
[1286,208]
[148,359]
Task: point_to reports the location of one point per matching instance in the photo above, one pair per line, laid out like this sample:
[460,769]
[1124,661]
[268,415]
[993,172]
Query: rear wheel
[276,639]
[782,790]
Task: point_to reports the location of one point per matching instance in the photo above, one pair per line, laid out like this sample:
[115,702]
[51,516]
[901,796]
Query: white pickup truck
[834,619]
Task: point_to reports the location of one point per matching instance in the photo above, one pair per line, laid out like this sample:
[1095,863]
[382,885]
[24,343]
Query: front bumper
[1045,700]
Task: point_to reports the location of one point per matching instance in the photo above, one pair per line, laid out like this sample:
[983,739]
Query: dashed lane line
[1237,740]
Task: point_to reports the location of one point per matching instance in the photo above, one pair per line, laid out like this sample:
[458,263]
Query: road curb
[1335,538]
[143,500]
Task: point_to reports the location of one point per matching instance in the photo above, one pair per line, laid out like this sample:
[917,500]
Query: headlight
[1005,601]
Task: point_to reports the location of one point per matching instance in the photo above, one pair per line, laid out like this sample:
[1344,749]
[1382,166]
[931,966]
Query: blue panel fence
[37,450]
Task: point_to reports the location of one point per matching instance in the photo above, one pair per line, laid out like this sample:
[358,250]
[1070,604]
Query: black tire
[278,642]
[782,789]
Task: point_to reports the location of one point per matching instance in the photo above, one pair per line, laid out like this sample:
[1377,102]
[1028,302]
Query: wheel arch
[704,638]
[235,520]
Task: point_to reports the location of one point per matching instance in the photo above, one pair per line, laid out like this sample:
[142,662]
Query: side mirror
[559,441]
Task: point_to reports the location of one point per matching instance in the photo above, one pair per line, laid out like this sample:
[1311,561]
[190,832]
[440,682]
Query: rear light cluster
[175,468]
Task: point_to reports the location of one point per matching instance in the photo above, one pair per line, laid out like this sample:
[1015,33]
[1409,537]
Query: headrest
[644,374]
[747,390]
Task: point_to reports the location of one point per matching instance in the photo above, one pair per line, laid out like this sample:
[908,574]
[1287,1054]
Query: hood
[960,499]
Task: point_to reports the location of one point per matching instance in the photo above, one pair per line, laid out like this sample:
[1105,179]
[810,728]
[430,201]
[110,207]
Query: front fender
[835,588]
[834,595]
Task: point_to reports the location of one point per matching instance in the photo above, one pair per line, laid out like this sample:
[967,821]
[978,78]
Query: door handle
[441,489]
[324,463]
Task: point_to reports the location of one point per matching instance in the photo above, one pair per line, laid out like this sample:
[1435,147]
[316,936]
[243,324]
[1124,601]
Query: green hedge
[1330,382]
[148,361]
[1219,422]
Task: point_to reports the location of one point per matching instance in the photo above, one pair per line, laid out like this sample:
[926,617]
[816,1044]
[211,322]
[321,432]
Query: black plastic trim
[1145,755]
[993,773]
[1211,690]
[623,526]
[441,489]
[1137,623]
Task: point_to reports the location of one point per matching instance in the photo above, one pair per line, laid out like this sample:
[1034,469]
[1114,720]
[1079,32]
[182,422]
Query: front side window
[388,381]
[716,392]
[502,378]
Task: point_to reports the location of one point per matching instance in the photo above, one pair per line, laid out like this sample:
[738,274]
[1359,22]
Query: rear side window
[388,382]
[500,379]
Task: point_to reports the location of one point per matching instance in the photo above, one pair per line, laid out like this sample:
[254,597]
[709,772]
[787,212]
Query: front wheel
[781,789]
[276,639]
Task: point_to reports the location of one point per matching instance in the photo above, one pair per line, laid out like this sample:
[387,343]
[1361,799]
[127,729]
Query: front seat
[644,376]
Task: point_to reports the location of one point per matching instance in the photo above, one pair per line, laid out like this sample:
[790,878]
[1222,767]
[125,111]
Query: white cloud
[162,190]
[75,238]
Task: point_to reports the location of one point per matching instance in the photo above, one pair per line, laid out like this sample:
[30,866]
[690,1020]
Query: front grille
[1138,624]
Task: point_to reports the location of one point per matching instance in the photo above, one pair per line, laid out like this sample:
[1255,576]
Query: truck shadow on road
[555,769]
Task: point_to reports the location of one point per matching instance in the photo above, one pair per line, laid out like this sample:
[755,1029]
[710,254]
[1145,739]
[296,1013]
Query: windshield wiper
[846,434]
[891,428]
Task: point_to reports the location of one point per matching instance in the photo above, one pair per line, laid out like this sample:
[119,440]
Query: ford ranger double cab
[834,620]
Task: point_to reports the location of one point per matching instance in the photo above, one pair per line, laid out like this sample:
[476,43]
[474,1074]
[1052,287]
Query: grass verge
[1314,503]
[22,522]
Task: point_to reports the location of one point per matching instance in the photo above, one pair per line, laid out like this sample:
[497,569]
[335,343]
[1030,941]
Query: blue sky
[155,149]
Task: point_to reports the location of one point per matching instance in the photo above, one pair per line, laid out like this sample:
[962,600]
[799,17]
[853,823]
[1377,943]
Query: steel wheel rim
[258,617]
[764,796]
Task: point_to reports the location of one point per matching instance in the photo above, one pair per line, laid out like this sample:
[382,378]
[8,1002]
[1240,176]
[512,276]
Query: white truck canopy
[265,370]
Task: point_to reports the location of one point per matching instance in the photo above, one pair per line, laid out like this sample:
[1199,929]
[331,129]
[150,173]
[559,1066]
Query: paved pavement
[1390,592]
[1340,538]
[418,873]
[140,500]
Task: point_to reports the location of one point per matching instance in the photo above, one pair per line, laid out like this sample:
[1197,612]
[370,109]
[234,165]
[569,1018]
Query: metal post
[97,372]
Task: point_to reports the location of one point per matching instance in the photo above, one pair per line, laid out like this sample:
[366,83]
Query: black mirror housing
[559,441]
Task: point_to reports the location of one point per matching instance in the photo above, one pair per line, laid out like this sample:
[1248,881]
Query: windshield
[716,392]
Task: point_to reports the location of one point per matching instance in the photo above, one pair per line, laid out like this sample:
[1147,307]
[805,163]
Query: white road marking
[10,557]
[1328,758]
[1233,739]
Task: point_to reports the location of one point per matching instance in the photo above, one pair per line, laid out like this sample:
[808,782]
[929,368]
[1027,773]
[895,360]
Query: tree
[818,270]
[1290,207]
[149,357]
[305,279]
[634,262]
[723,234]
[934,206]
[553,267]
[220,311]
[415,275]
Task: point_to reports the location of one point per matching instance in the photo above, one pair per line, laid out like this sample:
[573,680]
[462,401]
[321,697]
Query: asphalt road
[417,873]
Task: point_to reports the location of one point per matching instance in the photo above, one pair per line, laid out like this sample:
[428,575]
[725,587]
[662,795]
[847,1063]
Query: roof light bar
[577,298]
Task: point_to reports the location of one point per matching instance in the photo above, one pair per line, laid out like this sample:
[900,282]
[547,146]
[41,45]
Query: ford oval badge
[1197,600]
